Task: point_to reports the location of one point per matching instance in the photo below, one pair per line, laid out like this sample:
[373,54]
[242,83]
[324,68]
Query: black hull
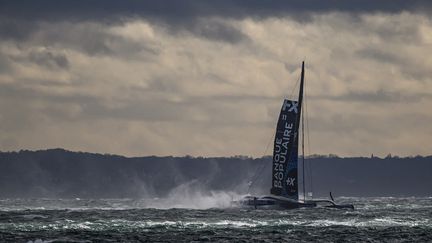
[270,202]
[280,203]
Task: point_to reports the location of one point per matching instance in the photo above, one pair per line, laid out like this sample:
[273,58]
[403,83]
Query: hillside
[66,174]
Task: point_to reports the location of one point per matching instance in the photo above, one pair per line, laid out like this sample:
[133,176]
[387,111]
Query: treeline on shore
[64,174]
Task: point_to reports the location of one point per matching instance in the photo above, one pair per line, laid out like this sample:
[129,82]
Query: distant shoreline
[58,173]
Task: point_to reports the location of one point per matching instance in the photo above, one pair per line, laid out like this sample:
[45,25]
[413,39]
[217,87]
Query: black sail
[285,150]
[285,155]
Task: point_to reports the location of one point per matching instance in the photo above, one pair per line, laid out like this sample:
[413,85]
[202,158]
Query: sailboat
[285,187]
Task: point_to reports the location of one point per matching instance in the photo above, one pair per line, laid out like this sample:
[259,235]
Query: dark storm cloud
[219,32]
[20,18]
[105,10]
[49,59]
[89,38]
[93,39]
[5,63]
[13,28]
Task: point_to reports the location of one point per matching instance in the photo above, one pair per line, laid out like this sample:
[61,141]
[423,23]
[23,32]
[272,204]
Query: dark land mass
[57,173]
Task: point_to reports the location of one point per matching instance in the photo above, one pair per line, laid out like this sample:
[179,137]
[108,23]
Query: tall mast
[301,87]
[300,101]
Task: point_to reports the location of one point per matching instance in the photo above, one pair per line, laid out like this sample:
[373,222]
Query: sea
[380,219]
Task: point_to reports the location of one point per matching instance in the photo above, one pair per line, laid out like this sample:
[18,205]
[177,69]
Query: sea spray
[194,196]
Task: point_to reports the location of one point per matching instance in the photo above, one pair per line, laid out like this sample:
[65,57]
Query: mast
[302,125]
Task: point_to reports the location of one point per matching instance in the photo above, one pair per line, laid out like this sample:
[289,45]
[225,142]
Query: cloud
[199,79]
[378,96]
[103,9]
[48,59]
[220,31]
[16,29]
[21,19]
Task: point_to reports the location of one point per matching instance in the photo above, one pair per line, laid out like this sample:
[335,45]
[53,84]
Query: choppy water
[375,219]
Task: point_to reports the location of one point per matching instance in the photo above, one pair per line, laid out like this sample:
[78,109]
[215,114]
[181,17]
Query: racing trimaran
[285,187]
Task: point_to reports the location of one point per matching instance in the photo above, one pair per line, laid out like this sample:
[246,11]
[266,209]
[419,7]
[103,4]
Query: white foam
[192,196]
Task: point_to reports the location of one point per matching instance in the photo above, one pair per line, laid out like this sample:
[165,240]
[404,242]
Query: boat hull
[280,203]
[271,202]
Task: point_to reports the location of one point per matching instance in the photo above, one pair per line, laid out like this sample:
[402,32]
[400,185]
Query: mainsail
[285,150]
[285,179]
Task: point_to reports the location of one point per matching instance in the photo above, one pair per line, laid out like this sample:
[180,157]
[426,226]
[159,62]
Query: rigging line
[303,158]
[303,153]
[259,169]
[308,143]
[293,89]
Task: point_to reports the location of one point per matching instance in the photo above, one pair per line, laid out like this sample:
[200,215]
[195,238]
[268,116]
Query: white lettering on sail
[280,154]
[278,167]
[290,181]
[293,107]
[282,159]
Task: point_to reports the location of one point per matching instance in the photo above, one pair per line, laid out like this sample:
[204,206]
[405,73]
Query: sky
[207,78]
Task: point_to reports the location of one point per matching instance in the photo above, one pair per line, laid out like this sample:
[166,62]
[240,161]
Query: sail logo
[291,105]
[290,181]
